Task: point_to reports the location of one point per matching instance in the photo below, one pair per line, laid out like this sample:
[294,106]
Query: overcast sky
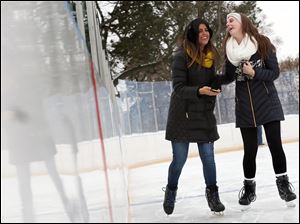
[285,19]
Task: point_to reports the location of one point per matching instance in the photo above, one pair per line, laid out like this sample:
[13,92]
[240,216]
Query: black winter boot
[285,188]
[213,200]
[169,201]
[247,193]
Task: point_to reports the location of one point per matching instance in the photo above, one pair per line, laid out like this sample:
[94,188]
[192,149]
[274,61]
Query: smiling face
[234,27]
[203,35]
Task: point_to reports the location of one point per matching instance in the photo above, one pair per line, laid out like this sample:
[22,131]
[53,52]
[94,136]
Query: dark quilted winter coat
[256,100]
[191,117]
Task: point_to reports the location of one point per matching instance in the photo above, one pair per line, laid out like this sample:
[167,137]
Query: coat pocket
[200,115]
[204,120]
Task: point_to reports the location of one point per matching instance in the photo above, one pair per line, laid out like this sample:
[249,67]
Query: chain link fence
[144,105]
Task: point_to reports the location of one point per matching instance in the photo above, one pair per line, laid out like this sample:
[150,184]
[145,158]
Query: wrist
[199,92]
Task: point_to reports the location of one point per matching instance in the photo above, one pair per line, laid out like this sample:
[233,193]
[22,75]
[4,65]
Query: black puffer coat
[191,117]
[257,101]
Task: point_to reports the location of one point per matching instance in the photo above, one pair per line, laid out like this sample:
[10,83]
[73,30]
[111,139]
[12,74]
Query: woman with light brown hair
[251,61]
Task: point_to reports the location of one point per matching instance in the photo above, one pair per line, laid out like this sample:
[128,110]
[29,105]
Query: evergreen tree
[145,33]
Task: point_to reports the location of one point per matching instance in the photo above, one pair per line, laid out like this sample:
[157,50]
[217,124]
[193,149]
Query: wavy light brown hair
[264,43]
[190,42]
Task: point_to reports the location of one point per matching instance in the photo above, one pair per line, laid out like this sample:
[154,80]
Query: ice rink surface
[146,196]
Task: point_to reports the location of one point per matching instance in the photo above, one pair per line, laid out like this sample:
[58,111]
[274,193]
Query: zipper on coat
[187,115]
[266,88]
[186,109]
[251,104]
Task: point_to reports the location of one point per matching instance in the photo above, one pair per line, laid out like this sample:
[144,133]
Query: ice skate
[213,200]
[169,200]
[286,190]
[247,194]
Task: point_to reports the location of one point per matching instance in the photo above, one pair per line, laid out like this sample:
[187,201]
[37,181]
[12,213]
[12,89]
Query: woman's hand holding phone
[206,90]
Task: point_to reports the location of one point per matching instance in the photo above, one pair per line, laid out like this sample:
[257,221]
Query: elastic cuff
[281,174]
[198,93]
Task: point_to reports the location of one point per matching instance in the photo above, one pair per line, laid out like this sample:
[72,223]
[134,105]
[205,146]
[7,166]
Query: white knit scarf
[236,52]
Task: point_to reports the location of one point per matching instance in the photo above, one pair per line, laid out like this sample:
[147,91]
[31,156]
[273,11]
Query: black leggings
[273,136]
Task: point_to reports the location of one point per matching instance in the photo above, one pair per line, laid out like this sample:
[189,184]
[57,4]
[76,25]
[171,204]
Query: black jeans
[273,137]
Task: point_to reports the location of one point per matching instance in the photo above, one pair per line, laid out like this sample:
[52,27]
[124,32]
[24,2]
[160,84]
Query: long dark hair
[190,42]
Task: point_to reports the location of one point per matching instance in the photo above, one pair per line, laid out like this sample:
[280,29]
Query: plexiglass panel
[61,157]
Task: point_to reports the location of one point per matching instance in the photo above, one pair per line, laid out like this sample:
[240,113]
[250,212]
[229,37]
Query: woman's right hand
[206,90]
